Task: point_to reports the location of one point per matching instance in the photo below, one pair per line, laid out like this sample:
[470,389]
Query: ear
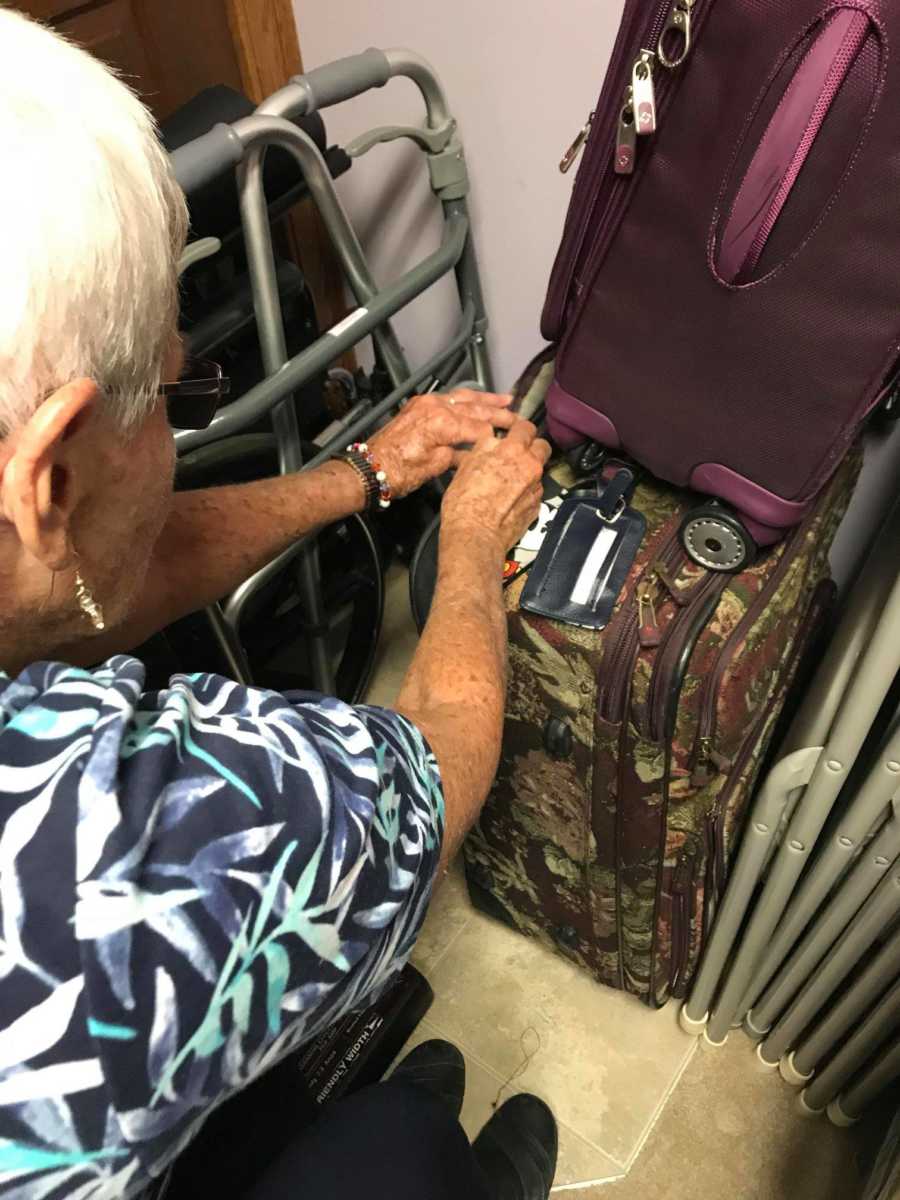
[36,492]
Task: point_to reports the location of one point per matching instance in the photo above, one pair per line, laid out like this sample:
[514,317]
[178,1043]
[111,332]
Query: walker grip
[206,157]
[345,78]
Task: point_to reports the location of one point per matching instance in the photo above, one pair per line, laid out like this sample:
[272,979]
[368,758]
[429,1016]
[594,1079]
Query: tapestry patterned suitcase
[630,755]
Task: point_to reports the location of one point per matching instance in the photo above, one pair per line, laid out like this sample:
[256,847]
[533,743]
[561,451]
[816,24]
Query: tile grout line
[463,1046]
[660,1108]
[625,1167]
[442,954]
[561,1188]
[648,1129]
[494,1074]
[467,1053]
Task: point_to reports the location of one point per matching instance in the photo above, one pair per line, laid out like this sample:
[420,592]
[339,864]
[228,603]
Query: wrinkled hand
[424,439]
[497,491]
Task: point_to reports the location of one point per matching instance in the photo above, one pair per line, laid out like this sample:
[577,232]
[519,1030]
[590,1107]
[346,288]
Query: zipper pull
[644,93]
[568,159]
[684,870]
[681,595]
[626,138]
[702,773]
[710,762]
[648,629]
[679,23]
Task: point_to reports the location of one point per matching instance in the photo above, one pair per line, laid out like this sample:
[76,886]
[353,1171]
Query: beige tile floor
[643,1113]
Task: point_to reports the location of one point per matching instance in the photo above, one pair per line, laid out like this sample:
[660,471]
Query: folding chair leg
[859,620]
[862,881]
[848,1107]
[830,864]
[876,915]
[791,773]
[870,685]
[798,1067]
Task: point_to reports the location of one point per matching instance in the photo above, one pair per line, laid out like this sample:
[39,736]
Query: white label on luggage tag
[587,582]
[348,322]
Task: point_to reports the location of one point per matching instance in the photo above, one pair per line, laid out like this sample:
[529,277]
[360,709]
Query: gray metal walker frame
[465,357]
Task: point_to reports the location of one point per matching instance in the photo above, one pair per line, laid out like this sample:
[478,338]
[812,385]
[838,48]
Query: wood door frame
[268,51]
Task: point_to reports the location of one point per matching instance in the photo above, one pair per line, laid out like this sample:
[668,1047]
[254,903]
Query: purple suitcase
[726,298]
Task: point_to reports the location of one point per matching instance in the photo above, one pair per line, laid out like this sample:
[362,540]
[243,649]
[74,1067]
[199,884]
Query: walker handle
[206,157]
[345,78]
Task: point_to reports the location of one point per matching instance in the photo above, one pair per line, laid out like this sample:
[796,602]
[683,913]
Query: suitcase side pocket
[725,818]
[825,75]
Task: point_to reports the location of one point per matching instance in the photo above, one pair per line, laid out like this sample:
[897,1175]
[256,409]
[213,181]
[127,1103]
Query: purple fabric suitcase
[726,298]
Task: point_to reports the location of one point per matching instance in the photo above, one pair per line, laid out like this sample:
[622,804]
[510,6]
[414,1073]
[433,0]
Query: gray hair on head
[92,224]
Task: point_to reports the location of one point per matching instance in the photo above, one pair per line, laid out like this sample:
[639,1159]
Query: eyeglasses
[192,402]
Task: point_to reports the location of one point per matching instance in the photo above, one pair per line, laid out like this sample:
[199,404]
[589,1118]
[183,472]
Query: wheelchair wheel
[423,574]
[717,539]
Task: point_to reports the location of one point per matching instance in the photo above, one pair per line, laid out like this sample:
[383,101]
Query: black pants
[393,1140]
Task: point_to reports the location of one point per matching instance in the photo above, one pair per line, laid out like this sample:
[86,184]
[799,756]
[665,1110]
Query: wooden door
[169,50]
[166,51]
[268,49]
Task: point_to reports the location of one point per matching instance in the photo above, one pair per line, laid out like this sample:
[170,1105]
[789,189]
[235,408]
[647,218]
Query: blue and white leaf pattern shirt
[192,883]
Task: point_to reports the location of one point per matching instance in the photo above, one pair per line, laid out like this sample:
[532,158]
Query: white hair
[92,224]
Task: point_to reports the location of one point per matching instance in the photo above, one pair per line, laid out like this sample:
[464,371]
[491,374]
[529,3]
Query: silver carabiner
[679,22]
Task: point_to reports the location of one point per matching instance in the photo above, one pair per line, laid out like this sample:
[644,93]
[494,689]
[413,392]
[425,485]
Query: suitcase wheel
[717,539]
[557,738]
[566,936]
[587,459]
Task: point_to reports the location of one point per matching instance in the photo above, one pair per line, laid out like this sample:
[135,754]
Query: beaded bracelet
[378,491]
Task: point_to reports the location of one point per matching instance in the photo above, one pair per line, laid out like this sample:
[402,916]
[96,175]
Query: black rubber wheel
[273,630]
[423,574]
[717,539]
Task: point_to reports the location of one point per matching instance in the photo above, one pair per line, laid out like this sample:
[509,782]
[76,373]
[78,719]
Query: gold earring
[88,604]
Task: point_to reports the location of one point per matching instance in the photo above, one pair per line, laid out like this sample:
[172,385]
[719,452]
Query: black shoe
[517,1149]
[439,1067]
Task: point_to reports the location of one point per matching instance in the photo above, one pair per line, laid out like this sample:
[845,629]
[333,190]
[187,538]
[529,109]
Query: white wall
[521,75]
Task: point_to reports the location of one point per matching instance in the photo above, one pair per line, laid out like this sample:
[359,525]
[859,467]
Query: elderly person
[196,881]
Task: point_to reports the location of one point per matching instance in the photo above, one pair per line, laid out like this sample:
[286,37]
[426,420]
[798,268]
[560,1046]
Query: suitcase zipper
[699,621]
[685,875]
[617,62]
[670,17]
[625,632]
[569,158]
[615,194]
[626,136]
[658,695]
[640,111]
[590,177]
[642,93]
[812,618]
[705,754]
[682,895]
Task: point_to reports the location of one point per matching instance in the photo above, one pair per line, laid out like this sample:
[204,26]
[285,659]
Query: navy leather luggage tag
[585,558]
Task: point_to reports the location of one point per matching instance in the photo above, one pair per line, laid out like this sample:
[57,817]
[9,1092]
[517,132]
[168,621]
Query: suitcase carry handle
[787,142]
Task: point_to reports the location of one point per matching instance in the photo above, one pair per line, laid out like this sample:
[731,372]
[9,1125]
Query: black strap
[614,496]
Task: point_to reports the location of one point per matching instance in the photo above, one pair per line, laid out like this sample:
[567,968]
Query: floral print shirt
[192,883]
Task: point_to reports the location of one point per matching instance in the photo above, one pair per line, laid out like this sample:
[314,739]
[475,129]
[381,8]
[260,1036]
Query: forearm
[215,538]
[455,689]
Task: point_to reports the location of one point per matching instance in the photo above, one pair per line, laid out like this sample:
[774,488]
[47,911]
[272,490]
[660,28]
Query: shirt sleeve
[252,867]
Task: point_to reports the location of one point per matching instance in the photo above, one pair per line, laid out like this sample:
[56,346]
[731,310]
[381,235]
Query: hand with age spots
[497,491]
[424,440]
